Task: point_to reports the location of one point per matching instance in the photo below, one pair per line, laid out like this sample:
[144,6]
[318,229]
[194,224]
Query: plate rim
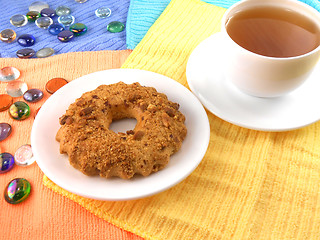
[49,174]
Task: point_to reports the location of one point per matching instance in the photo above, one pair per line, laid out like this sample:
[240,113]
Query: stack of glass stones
[19,188]
[59,22]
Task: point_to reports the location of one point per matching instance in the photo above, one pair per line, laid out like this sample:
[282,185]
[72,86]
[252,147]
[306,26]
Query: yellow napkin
[250,184]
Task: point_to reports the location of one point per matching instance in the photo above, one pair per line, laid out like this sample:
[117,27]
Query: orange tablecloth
[45,214]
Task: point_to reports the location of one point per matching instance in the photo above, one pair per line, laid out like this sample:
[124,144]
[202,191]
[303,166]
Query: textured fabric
[143,13]
[249,185]
[46,215]
[96,38]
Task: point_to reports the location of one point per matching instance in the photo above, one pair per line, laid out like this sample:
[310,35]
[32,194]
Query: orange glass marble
[5,102]
[54,84]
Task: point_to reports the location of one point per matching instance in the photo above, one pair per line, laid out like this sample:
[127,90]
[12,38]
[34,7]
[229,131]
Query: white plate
[222,98]
[57,168]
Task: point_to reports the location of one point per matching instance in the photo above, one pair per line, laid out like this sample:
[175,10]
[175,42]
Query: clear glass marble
[44,22]
[45,52]
[8,74]
[16,88]
[66,20]
[81,1]
[38,6]
[18,20]
[103,12]
[63,10]
[24,155]
[8,35]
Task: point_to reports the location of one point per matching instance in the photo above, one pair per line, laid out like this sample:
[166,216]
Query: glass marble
[48,12]
[8,35]
[5,102]
[66,20]
[103,12]
[54,84]
[8,74]
[26,40]
[18,20]
[81,1]
[33,95]
[115,27]
[38,6]
[6,162]
[45,52]
[63,10]
[16,88]
[19,110]
[5,131]
[44,22]
[55,28]
[25,53]
[78,29]
[17,190]
[65,36]
[24,156]
[32,16]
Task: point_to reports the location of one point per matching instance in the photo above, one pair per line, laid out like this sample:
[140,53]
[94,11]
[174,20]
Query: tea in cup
[271,46]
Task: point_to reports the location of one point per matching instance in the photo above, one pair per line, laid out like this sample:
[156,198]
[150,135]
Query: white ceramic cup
[264,76]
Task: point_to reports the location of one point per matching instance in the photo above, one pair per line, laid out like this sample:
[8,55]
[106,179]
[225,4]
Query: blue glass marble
[26,40]
[55,28]
[25,53]
[103,12]
[65,36]
[33,95]
[63,10]
[66,20]
[6,162]
[5,131]
[78,29]
[48,12]
[17,190]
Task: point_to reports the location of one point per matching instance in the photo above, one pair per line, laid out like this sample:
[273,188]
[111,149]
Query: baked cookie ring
[94,149]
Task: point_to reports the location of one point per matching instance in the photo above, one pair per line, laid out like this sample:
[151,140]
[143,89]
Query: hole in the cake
[123,125]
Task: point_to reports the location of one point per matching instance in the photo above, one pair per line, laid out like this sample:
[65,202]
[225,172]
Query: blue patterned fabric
[97,37]
[143,13]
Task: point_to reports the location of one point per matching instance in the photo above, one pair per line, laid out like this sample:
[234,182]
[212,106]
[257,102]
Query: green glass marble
[17,190]
[32,16]
[19,110]
[115,27]
[78,29]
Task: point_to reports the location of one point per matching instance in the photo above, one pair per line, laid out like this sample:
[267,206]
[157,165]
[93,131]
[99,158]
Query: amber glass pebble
[5,102]
[54,84]
[8,35]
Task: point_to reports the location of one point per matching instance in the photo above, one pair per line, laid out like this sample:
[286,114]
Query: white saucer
[56,166]
[222,98]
